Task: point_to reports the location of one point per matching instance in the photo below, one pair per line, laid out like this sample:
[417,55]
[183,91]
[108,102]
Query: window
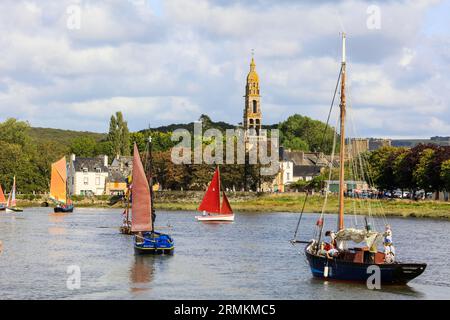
[86,180]
[98,170]
[255,106]
[287,176]
[97,181]
[85,169]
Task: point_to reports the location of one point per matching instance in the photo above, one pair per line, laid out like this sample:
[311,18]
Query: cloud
[170,61]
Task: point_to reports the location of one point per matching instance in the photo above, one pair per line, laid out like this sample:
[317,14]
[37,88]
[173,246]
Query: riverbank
[284,202]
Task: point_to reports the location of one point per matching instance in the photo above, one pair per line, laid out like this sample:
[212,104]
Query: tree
[84,147]
[15,132]
[296,144]
[402,170]
[306,134]
[119,135]
[423,169]
[445,175]
[381,167]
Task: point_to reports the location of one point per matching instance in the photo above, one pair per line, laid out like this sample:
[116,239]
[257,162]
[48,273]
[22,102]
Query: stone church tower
[252,111]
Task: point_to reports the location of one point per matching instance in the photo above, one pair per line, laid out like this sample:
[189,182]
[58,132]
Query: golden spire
[252,75]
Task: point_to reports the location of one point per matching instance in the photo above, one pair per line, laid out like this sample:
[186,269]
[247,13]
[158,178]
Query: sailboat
[146,240]
[2,200]
[337,259]
[210,206]
[11,205]
[126,223]
[58,187]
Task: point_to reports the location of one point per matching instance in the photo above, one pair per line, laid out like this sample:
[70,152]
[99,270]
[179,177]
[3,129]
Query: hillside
[207,123]
[60,136]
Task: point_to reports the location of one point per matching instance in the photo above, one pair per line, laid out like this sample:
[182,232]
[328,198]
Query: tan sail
[58,182]
[141,208]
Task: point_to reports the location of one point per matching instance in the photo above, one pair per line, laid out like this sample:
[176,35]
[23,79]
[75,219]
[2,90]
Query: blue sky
[169,61]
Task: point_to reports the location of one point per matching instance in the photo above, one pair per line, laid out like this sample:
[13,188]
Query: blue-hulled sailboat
[146,240]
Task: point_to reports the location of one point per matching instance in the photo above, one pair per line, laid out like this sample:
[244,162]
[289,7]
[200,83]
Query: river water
[248,259]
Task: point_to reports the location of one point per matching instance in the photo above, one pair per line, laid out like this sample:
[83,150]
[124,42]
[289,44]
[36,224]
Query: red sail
[141,204]
[211,200]
[226,208]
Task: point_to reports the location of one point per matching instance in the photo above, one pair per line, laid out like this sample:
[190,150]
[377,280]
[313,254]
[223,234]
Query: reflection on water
[141,272]
[56,224]
[248,259]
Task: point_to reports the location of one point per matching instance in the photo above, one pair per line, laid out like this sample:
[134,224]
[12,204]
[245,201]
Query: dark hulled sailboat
[58,187]
[353,263]
[146,240]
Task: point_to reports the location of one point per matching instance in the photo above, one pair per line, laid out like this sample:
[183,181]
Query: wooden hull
[154,243]
[395,273]
[215,217]
[2,208]
[14,209]
[63,209]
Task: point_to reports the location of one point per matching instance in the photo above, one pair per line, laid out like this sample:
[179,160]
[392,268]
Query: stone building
[375,144]
[119,171]
[300,165]
[357,146]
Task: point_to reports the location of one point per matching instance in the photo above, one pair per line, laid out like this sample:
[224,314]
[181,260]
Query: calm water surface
[248,259]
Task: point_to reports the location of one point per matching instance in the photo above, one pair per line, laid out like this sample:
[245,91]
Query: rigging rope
[301,214]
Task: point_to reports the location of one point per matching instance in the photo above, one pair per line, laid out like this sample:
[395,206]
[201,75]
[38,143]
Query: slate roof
[301,158]
[306,171]
[122,162]
[116,176]
[90,163]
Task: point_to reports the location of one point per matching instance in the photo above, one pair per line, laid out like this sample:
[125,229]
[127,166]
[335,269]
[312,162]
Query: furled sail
[211,200]
[58,181]
[360,235]
[2,196]
[141,204]
[226,208]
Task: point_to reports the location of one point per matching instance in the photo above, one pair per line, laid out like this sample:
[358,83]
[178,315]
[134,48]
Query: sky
[71,64]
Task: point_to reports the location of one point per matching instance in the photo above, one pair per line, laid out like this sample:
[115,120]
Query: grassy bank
[287,202]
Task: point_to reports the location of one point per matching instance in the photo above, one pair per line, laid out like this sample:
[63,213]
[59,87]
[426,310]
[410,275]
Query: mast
[220,182]
[67,184]
[342,140]
[149,172]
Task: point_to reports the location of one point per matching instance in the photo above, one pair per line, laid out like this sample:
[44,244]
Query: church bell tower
[252,110]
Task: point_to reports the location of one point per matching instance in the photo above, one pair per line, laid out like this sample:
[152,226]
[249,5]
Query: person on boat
[332,235]
[388,234]
[322,251]
[332,253]
[389,251]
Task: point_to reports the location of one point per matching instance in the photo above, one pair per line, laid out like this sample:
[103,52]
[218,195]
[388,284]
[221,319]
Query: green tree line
[423,167]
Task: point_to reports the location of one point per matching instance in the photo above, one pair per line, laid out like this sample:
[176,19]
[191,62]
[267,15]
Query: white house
[87,176]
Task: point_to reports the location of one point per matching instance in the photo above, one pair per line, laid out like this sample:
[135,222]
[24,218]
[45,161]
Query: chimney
[72,157]
[105,160]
